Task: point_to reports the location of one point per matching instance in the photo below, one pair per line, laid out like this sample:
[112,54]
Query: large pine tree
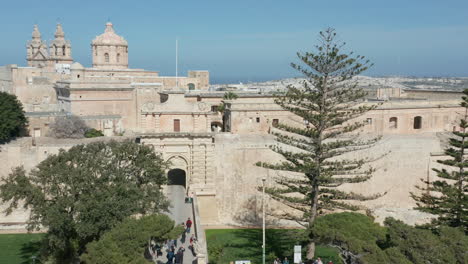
[447,197]
[329,101]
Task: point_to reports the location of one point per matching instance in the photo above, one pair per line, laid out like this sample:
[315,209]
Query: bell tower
[60,48]
[36,49]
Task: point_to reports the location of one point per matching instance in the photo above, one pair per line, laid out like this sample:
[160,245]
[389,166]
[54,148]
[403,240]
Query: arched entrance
[176,177]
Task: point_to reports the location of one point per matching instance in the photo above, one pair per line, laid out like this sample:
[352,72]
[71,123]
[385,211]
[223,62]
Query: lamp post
[263,219]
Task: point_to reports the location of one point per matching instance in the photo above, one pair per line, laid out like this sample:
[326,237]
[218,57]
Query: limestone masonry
[212,153]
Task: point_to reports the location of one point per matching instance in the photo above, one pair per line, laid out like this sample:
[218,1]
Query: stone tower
[37,55]
[110,50]
[59,48]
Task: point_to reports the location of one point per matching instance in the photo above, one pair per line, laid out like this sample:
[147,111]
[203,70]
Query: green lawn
[19,248]
[225,245]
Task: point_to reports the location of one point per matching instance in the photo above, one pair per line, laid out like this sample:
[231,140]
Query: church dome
[109,38]
[76,66]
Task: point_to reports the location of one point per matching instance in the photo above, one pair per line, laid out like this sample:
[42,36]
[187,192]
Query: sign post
[297,254]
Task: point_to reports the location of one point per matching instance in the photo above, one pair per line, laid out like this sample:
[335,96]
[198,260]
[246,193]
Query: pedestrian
[319,261]
[277,261]
[330,262]
[193,238]
[180,256]
[158,250]
[188,225]
[285,261]
[170,256]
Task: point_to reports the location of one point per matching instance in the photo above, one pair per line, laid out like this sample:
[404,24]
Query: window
[106,57]
[118,57]
[176,125]
[214,108]
[191,86]
[417,124]
[393,123]
[369,121]
[275,122]
[63,50]
[258,119]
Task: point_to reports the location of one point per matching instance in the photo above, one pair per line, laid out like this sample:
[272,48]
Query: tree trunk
[310,250]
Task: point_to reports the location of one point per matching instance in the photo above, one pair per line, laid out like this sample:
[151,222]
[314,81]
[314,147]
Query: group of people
[286,261]
[178,257]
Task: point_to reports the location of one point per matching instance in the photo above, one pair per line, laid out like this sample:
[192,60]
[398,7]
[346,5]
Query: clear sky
[251,40]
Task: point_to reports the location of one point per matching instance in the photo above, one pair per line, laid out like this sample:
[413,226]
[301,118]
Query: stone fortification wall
[433,95]
[239,202]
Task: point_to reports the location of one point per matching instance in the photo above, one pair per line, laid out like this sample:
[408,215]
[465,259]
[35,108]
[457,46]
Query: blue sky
[251,40]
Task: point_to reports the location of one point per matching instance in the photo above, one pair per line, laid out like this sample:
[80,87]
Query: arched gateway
[177,177]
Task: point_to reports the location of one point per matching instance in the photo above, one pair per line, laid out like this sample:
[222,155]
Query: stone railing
[200,246]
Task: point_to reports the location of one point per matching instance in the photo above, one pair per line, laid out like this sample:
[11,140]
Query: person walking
[170,256]
[192,239]
[285,261]
[188,225]
[179,258]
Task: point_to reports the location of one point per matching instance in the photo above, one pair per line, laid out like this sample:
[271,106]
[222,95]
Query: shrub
[68,127]
[91,133]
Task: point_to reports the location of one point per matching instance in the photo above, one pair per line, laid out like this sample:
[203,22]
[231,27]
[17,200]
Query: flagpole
[177,63]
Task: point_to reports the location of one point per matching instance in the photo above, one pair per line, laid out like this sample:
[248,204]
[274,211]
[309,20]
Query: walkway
[179,213]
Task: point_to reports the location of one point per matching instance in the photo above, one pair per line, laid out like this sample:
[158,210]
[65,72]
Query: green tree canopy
[447,196]
[12,118]
[360,240]
[126,242]
[82,192]
[329,101]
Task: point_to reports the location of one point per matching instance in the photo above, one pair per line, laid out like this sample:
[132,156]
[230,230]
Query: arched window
[417,124]
[106,57]
[118,57]
[191,86]
[393,123]
[56,50]
[63,50]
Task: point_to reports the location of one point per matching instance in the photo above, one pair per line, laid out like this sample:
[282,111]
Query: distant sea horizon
[236,80]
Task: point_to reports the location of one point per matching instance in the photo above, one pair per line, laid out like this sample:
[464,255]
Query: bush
[126,243]
[360,240]
[68,127]
[91,133]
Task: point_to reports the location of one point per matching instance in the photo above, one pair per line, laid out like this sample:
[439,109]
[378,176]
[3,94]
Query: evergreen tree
[12,118]
[447,197]
[329,102]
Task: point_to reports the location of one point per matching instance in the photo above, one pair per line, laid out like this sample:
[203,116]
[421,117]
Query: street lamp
[263,219]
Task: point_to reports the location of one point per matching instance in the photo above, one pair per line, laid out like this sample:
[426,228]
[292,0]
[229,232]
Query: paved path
[179,213]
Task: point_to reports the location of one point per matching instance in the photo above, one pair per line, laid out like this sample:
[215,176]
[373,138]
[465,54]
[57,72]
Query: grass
[19,248]
[226,245]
